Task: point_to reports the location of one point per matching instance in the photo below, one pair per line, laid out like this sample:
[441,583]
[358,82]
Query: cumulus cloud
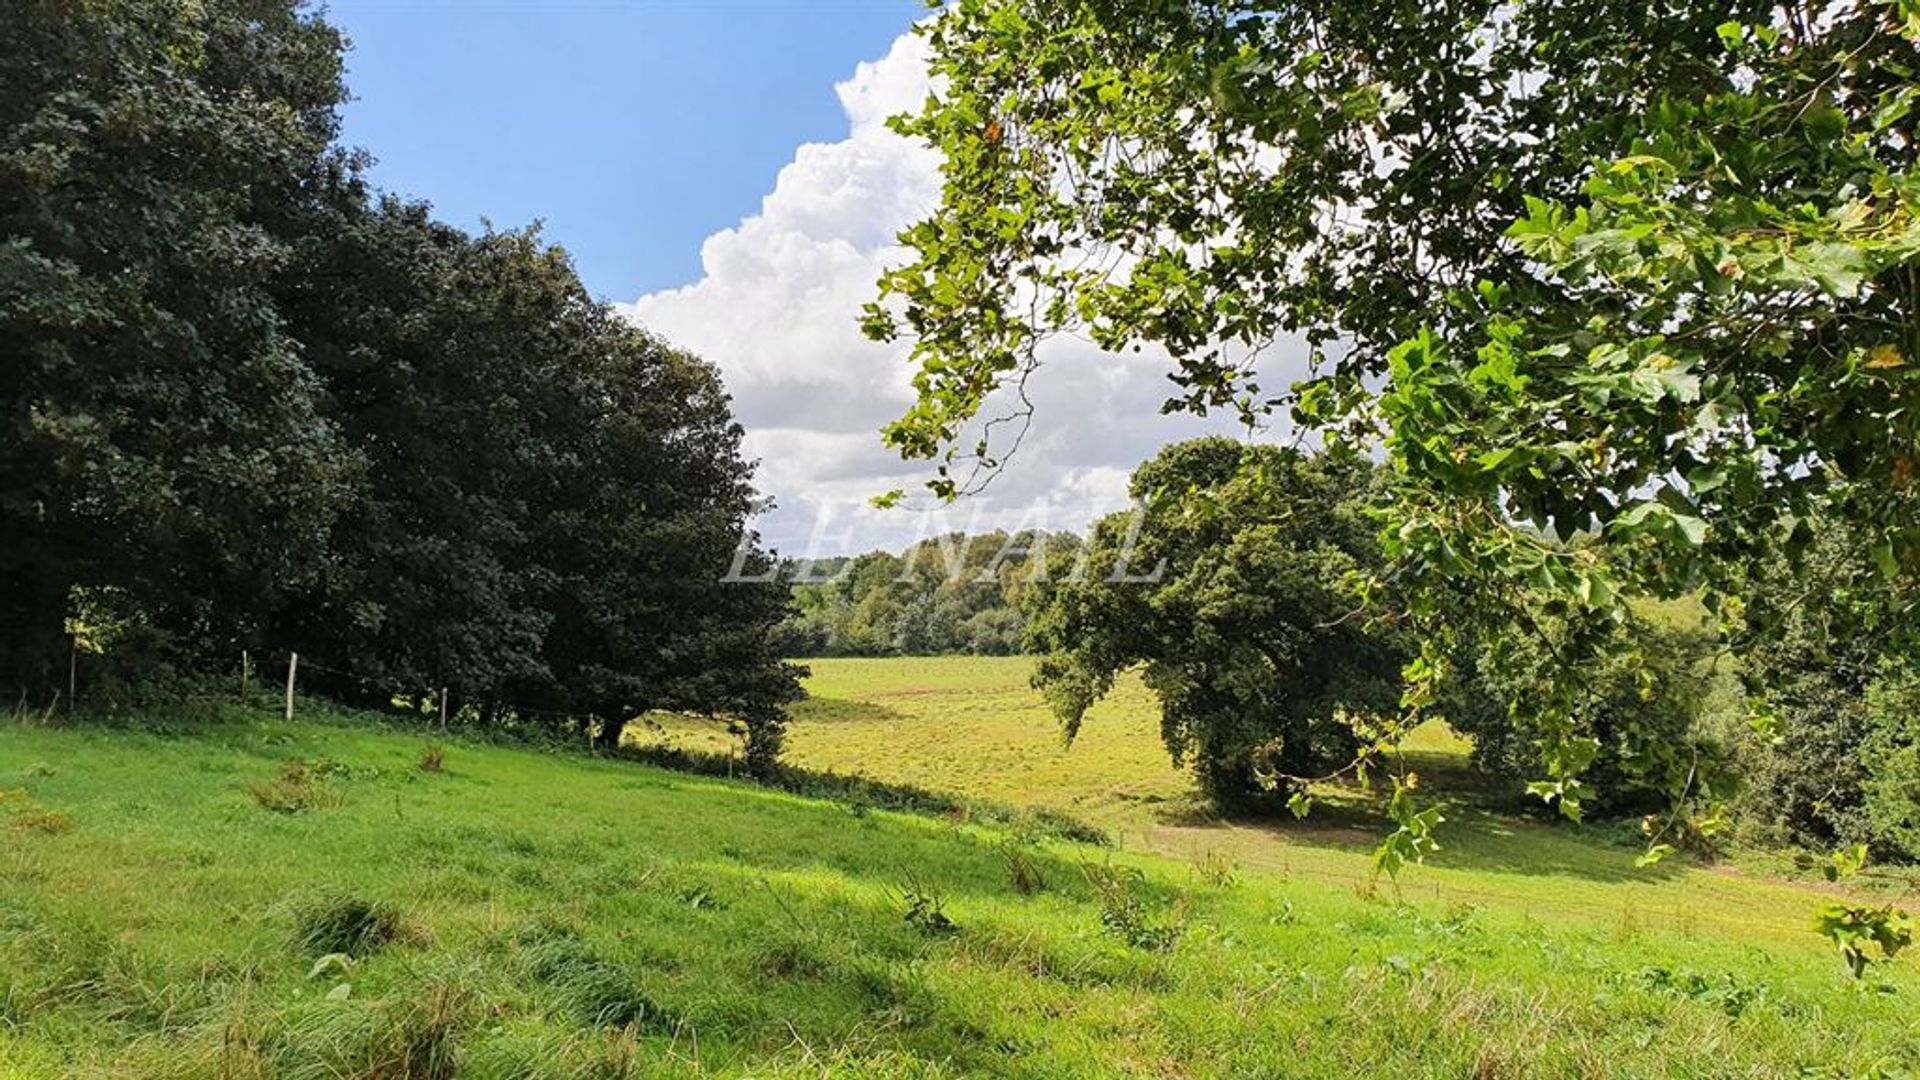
[776,309]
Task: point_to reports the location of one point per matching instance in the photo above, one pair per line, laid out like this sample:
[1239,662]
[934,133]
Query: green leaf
[1653,855]
[1884,560]
[1694,529]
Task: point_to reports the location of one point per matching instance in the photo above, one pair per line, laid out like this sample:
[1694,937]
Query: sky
[722,173]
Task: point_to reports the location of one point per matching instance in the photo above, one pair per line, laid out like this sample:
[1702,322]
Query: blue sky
[723,173]
[632,129]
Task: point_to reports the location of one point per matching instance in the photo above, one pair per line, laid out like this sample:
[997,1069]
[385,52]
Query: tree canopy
[1624,294]
[1239,587]
[956,593]
[252,403]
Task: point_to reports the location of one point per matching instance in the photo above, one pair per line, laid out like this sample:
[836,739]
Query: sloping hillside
[234,896]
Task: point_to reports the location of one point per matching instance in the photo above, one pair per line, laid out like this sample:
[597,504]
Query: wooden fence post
[245,671]
[443,710]
[293,662]
[73,669]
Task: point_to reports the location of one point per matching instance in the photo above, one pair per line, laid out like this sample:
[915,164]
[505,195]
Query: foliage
[253,404]
[957,593]
[1892,753]
[1712,356]
[1830,759]
[1412,840]
[1854,928]
[1628,293]
[1647,742]
[1237,589]
[1208,178]
[164,436]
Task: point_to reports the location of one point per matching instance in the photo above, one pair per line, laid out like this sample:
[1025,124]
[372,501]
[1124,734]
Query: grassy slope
[157,937]
[972,725]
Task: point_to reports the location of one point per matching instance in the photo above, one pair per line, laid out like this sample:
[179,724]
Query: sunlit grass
[972,725]
[527,914]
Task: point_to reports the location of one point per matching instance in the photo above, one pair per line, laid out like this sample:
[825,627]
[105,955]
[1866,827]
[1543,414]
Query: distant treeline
[951,594]
[247,402]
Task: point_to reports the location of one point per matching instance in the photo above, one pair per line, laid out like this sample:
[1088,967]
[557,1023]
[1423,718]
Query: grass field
[528,914]
[972,725]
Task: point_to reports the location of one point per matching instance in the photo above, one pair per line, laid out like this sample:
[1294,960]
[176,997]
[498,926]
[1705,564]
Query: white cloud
[776,310]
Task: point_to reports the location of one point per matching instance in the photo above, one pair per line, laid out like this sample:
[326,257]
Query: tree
[954,593]
[1832,758]
[647,522]
[163,441]
[455,369]
[1254,634]
[1648,716]
[1209,177]
[1628,290]
[551,501]
[249,402]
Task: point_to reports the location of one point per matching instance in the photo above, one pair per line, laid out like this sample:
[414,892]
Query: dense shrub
[1892,751]
[1646,708]
[1834,760]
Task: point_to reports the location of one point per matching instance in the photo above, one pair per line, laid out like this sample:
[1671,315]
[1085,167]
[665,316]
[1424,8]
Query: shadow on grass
[827,710]
[1490,828]
[864,792]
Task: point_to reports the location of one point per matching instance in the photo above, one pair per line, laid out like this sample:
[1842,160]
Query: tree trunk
[608,735]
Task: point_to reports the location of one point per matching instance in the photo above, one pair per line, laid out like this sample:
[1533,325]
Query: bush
[1837,758]
[1647,708]
[299,788]
[1891,792]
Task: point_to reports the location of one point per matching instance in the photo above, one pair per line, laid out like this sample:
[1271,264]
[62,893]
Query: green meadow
[231,895]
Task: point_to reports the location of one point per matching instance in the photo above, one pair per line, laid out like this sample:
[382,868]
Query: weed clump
[926,910]
[1728,993]
[433,758]
[597,992]
[26,816]
[340,922]
[299,788]
[419,1040]
[1217,870]
[1022,868]
[1124,913]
